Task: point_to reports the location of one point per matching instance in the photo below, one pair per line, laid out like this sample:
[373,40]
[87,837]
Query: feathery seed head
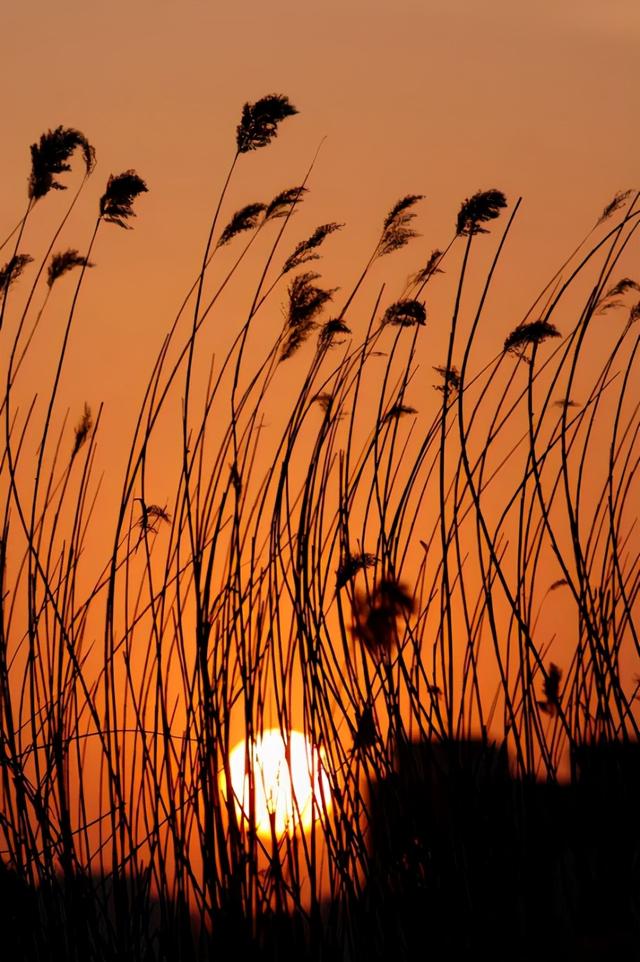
[405,313]
[12,270]
[485,205]
[396,232]
[351,565]
[284,202]
[116,204]
[306,301]
[551,688]
[430,268]
[330,331]
[450,380]
[535,332]
[614,205]
[325,400]
[50,156]
[150,516]
[259,123]
[244,219]
[82,430]
[624,284]
[306,250]
[397,411]
[65,261]
[376,616]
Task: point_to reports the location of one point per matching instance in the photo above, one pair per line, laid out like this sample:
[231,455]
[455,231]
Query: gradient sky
[440,98]
[541,99]
[416,96]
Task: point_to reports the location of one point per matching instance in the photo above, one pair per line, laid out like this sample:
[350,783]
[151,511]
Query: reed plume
[396,232]
[150,516]
[245,219]
[259,123]
[551,688]
[82,430]
[624,284]
[284,202]
[12,270]
[330,331]
[65,261]
[376,615]
[535,332]
[397,411]
[485,205]
[325,400]
[429,269]
[405,313]
[307,250]
[351,565]
[614,205]
[450,380]
[50,156]
[116,204]
[306,301]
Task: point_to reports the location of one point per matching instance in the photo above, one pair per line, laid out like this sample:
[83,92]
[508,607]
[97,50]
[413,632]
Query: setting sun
[291,784]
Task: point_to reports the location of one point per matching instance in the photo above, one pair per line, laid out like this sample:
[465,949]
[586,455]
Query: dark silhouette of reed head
[397,411]
[396,232]
[351,565]
[150,516]
[329,405]
[429,270]
[63,262]
[82,430]
[530,334]
[485,205]
[614,205]
[12,270]
[450,384]
[405,313]
[245,219]
[306,301]
[116,204]
[259,123]
[611,299]
[284,203]
[376,615]
[307,250]
[551,688]
[330,333]
[50,157]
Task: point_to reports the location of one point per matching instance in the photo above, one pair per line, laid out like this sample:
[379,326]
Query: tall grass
[378,567]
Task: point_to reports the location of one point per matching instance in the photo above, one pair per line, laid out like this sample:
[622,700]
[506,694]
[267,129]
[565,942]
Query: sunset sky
[437,97]
[417,96]
[539,100]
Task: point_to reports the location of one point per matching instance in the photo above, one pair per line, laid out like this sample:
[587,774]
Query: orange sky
[416,96]
[437,98]
[425,97]
[428,97]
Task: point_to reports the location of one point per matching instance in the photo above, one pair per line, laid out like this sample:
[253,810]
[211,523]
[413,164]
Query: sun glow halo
[290,782]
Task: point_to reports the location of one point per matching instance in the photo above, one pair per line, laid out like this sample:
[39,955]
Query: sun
[290,782]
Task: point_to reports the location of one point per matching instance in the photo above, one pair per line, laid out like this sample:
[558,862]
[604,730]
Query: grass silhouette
[377,573]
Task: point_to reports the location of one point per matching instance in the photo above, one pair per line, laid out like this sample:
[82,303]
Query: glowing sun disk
[291,787]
